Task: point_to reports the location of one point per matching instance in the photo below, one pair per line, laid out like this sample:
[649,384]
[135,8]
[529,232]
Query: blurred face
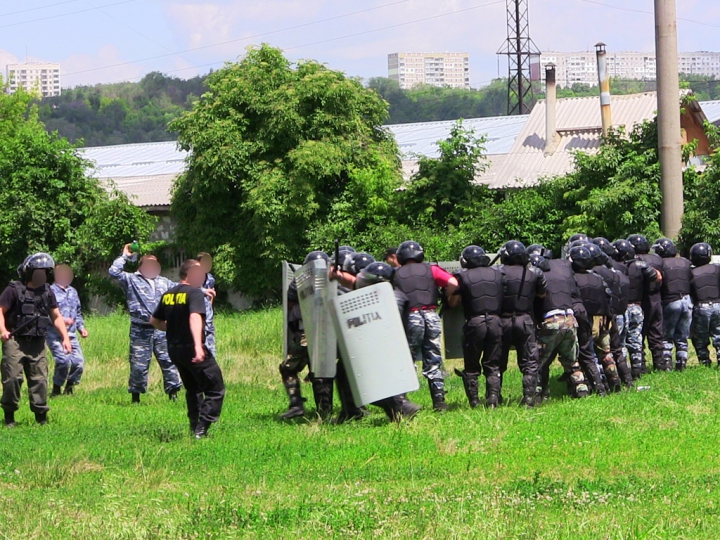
[196,276]
[63,275]
[206,263]
[150,269]
[392,261]
[39,278]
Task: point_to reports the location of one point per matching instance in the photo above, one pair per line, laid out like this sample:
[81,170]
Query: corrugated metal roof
[578,125]
[711,110]
[421,138]
[136,160]
[145,191]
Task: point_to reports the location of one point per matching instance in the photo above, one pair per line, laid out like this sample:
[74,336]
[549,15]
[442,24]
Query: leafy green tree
[50,204]
[275,147]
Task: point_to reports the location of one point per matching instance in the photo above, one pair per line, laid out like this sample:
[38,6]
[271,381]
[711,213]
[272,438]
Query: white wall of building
[435,69]
[34,77]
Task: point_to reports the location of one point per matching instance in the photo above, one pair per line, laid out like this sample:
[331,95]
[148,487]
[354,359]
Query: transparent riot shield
[453,320]
[315,292]
[373,345]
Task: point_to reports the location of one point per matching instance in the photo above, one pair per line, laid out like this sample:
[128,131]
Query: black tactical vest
[676,279]
[561,289]
[417,282]
[656,262]
[513,279]
[705,285]
[592,292]
[613,281]
[635,276]
[482,291]
[32,318]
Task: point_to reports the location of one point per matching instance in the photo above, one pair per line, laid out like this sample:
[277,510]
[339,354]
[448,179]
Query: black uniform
[597,297]
[481,290]
[640,276]
[653,312]
[705,291]
[203,381]
[518,326]
[677,309]
[27,316]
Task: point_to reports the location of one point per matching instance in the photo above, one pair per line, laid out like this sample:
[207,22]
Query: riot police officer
[421,282]
[521,286]
[481,293]
[676,302]
[298,359]
[597,298]
[28,307]
[705,291]
[652,303]
[557,326]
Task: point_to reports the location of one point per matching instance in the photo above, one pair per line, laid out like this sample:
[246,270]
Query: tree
[49,203]
[275,148]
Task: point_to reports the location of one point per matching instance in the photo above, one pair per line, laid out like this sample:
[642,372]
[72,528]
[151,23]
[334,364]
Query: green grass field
[635,465]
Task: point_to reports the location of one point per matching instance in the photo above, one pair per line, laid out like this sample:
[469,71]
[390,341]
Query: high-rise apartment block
[435,69]
[34,77]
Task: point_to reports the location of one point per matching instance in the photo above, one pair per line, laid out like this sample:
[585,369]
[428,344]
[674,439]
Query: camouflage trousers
[423,334]
[677,317]
[634,341]
[557,335]
[144,341]
[704,329]
[210,343]
[68,367]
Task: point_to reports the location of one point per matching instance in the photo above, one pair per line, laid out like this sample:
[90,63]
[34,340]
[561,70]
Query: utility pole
[520,50]
[669,130]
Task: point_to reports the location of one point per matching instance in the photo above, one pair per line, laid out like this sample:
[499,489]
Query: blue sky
[98,41]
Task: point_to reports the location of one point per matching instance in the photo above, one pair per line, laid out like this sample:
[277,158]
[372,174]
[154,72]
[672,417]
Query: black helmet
[540,262]
[513,254]
[665,248]
[581,257]
[376,272]
[355,262]
[410,251]
[349,249]
[576,243]
[539,249]
[578,236]
[639,243]
[474,257]
[701,254]
[625,250]
[598,255]
[606,246]
[37,261]
[316,255]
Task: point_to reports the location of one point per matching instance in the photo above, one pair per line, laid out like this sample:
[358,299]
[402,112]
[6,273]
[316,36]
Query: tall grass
[633,465]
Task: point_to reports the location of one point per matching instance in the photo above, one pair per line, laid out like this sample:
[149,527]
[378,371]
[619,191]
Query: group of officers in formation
[593,310]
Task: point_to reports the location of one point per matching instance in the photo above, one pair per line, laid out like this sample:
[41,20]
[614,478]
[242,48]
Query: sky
[104,41]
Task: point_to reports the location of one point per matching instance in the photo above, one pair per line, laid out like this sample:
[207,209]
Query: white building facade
[581,67]
[34,77]
[434,69]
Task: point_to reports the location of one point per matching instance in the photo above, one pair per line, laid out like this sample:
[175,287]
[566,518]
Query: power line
[305,44]
[631,10]
[63,14]
[36,8]
[218,44]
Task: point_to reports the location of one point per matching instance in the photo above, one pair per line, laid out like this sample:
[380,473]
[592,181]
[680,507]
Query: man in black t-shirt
[181,314]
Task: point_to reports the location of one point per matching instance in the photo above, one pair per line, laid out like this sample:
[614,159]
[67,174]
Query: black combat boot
[323,393]
[577,385]
[408,409]
[69,389]
[529,391]
[135,397]
[201,430]
[348,409]
[193,425]
[10,419]
[297,403]
[611,374]
[41,418]
[173,395]
[56,391]
[493,398]
[470,383]
[437,393]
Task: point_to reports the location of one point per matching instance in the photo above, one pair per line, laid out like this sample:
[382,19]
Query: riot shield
[373,345]
[315,292]
[453,320]
[288,274]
